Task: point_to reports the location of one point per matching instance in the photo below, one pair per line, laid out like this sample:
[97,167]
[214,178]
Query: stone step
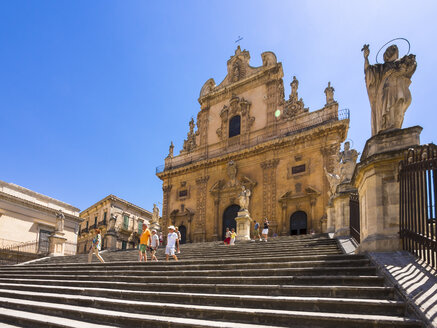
[269,272]
[239,260]
[360,292]
[162,266]
[27,319]
[35,320]
[155,299]
[138,314]
[192,254]
[138,281]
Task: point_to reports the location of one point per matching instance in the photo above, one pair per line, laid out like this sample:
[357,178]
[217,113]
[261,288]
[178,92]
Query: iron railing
[317,120]
[17,253]
[354,217]
[418,199]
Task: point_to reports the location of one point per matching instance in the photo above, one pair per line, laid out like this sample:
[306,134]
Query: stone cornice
[37,195]
[116,199]
[277,143]
[386,158]
[36,206]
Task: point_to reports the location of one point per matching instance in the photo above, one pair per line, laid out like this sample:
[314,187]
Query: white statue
[155,214]
[387,86]
[347,158]
[60,218]
[243,198]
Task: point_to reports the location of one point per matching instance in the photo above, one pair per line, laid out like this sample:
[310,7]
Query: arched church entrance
[298,223]
[183,231]
[229,216]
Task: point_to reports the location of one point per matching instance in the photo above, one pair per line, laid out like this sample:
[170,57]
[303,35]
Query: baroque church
[249,135]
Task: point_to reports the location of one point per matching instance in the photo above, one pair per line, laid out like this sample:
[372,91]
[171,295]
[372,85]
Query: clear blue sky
[92,92]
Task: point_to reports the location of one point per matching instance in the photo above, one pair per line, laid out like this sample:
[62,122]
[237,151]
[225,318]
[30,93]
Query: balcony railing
[102,223]
[317,120]
[85,230]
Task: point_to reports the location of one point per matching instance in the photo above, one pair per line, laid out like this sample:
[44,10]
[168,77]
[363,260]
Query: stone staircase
[286,282]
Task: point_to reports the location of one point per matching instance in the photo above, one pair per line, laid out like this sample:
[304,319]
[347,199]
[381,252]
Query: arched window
[234,126]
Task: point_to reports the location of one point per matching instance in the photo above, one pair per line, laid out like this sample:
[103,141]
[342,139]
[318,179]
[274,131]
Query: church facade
[248,135]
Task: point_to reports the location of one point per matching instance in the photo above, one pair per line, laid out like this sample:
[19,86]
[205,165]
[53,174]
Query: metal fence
[354,217]
[418,198]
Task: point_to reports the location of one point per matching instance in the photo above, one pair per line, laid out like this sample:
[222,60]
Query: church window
[183,193]
[234,126]
[298,169]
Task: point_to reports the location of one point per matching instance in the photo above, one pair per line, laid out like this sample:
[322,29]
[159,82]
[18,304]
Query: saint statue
[170,150]
[347,158]
[243,198]
[387,86]
[235,72]
[329,92]
[155,214]
[294,85]
[112,221]
[60,218]
[334,181]
[232,173]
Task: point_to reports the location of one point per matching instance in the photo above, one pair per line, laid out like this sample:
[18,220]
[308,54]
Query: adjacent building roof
[118,199]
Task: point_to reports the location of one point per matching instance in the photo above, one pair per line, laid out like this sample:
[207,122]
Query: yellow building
[249,135]
[129,219]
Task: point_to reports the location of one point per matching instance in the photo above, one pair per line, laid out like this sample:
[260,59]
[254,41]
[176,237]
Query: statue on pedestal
[387,87]
[170,150]
[243,198]
[155,214]
[347,158]
[294,85]
[329,92]
[60,218]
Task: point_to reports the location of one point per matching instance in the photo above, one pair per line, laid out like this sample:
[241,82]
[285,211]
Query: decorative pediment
[187,211]
[207,87]
[239,68]
[237,106]
[221,186]
[309,192]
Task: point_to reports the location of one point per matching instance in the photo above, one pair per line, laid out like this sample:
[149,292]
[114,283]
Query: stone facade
[249,135]
[125,230]
[29,217]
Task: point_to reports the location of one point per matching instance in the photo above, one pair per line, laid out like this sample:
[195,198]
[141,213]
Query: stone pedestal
[376,178]
[330,213]
[111,240]
[341,204]
[56,244]
[243,225]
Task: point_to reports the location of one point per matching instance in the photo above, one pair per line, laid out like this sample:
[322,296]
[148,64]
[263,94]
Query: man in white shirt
[172,240]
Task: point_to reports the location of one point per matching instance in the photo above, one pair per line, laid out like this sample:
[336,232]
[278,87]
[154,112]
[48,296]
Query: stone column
[284,219]
[375,177]
[216,234]
[330,212]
